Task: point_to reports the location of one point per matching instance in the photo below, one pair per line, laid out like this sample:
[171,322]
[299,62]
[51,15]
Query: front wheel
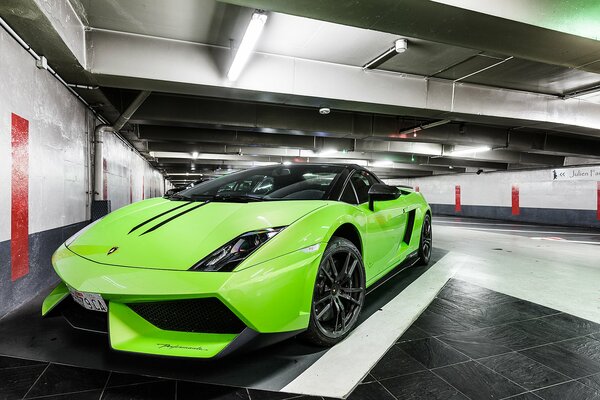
[426,242]
[338,295]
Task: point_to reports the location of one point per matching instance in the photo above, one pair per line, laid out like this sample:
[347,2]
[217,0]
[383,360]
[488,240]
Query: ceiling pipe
[424,127]
[100,131]
[582,92]
[42,63]
[129,111]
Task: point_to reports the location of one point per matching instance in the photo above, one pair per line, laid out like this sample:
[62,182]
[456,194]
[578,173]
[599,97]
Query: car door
[384,225]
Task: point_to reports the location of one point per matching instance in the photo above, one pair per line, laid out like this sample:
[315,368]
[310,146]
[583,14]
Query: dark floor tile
[121,379]
[496,340]
[478,382]
[15,382]
[423,386]
[525,396]
[456,285]
[592,381]
[568,391]
[395,363]
[564,361]
[524,371]
[515,311]
[163,390]
[584,346]
[59,379]
[260,395]
[413,333]
[443,317]
[87,395]
[370,391]
[13,362]
[542,331]
[483,342]
[577,325]
[432,353]
[472,296]
[195,391]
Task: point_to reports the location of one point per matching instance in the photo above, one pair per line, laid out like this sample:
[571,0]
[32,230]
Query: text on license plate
[90,301]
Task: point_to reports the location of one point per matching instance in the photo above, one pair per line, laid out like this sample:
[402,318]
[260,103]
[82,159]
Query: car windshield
[279,182]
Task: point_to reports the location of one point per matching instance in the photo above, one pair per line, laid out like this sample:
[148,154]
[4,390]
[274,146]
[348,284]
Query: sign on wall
[576,174]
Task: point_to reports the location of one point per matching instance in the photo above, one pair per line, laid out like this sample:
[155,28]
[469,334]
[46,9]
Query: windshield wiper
[237,197]
[177,196]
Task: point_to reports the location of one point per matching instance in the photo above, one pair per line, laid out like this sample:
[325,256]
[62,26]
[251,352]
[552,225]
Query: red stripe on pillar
[457,198]
[598,206]
[19,228]
[416,188]
[143,188]
[515,200]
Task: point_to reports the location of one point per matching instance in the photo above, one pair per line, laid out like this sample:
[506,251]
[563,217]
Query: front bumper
[272,297]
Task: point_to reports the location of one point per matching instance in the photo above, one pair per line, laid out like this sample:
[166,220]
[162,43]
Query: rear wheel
[338,295]
[426,242]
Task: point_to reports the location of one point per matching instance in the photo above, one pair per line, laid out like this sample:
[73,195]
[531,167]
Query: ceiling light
[324,110]
[468,151]
[401,45]
[287,163]
[383,164]
[327,152]
[195,154]
[255,28]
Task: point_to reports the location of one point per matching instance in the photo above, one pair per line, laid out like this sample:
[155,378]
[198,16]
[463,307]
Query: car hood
[165,234]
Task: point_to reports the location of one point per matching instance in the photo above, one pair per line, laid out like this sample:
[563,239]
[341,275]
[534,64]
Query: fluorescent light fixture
[399,46]
[327,152]
[468,151]
[255,28]
[195,154]
[382,164]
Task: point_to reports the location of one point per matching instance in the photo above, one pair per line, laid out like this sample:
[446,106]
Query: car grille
[207,315]
[80,318]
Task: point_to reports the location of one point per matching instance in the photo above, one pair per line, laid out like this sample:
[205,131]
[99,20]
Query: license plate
[89,301]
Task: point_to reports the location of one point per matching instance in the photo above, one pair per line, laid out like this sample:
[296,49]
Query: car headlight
[70,240]
[231,254]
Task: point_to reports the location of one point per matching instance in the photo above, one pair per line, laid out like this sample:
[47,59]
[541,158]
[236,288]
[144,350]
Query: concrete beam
[512,32]
[287,80]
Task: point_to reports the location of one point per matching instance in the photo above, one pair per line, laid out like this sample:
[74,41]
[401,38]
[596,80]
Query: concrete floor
[554,267]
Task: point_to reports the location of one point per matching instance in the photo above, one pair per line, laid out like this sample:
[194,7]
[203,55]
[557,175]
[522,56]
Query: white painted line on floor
[533,231]
[343,367]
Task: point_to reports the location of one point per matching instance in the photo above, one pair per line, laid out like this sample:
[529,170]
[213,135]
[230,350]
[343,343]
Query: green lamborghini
[243,260]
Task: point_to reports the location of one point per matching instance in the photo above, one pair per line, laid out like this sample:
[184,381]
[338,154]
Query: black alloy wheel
[338,294]
[426,242]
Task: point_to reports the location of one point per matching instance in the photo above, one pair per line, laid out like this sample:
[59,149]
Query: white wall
[58,142]
[130,178]
[57,166]
[537,190]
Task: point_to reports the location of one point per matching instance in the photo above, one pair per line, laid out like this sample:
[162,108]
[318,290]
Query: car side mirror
[382,192]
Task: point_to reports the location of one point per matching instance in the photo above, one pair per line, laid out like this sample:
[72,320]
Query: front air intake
[207,315]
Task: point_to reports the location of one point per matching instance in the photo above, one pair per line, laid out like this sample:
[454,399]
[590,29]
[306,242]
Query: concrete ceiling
[512,78]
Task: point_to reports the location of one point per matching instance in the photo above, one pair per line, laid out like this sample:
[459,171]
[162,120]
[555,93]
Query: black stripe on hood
[158,216]
[166,221]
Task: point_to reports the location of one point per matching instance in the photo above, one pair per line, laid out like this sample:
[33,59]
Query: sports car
[246,259]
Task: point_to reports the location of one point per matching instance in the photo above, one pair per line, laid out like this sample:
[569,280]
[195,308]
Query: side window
[362,181]
[348,196]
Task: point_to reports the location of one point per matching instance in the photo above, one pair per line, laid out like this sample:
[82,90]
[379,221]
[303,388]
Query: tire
[426,242]
[338,295]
